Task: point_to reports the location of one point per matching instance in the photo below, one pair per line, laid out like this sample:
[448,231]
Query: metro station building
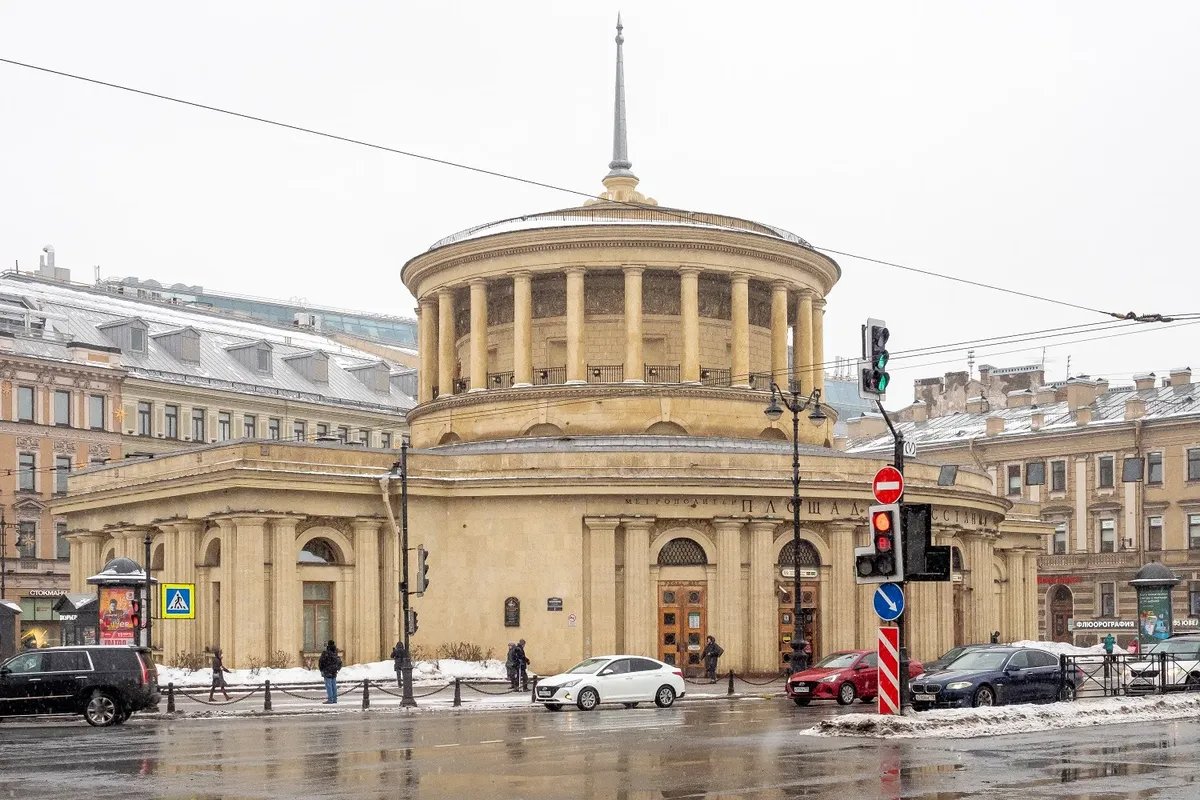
[591,469]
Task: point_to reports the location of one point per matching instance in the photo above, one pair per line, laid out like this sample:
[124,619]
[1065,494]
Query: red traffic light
[883,543]
[881,521]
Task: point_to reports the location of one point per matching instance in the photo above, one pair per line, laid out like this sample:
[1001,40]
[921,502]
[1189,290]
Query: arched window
[665,428]
[319,551]
[1061,595]
[450,438]
[956,563]
[682,553]
[544,429]
[774,434]
[808,555]
[212,554]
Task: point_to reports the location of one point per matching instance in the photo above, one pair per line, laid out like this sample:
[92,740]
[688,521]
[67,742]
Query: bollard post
[532,688]
[730,682]
[267,695]
[1162,673]
[170,698]
[366,693]
[457,692]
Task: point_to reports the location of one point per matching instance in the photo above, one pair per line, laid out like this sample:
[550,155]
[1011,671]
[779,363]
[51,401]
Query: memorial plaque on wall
[512,612]
[554,604]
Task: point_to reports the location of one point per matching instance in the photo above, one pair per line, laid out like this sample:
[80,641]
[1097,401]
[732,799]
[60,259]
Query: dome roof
[618,214]
[122,566]
[1154,572]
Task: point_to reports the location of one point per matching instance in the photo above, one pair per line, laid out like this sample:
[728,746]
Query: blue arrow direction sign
[889,601]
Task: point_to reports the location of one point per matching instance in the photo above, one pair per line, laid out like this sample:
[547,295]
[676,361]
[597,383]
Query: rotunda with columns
[592,469]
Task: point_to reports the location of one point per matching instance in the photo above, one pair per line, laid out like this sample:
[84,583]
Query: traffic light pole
[901,625]
[406,667]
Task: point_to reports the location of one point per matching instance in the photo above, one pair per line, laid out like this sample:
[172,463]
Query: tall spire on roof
[620,183]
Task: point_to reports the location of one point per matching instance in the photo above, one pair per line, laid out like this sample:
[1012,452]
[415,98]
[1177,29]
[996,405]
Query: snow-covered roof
[1162,403]
[10,605]
[79,314]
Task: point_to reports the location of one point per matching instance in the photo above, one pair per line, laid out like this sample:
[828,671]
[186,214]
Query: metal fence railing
[1130,674]
[606,373]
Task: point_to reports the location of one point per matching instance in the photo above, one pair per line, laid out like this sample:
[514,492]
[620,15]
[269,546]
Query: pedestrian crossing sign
[179,600]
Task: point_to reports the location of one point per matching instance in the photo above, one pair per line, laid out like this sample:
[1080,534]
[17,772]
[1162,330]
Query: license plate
[545,693]
[925,698]
[801,689]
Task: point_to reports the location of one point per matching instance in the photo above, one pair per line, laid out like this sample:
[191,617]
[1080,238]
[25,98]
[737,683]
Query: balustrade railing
[761,381]
[549,376]
[500,380]
[662,373]
[715,376]
[605,373]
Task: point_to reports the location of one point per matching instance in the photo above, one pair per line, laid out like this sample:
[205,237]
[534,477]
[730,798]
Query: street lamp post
[406,667]
[147,603]
[797,405]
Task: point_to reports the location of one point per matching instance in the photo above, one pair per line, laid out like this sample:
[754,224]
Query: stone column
[740,316]
[287,604]
[479,341]
[818,345]
[764,605]
[842,588]
[249,609]
[446,358]
[600,629]
[226,575]
[427,347]
[635,366]
[802,341]
[640,621]
[185,541]
[983,585]
[575,363]
[729,623]
[779,332]
[367,645]
[689,310]
[522,328]
[85,559]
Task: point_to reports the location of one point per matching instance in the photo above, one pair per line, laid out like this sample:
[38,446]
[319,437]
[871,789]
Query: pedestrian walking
[330,664]
[218,675]
[399,656]
[1109,642]
[1132,647]
[520,674]
[510,665]
[712,651]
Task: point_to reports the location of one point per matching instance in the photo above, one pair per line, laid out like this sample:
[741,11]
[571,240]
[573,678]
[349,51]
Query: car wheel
[802,701]
[664,697]
[101,710]
[588,700]
[846,694]
[630,705]
[554,706]
[984,696]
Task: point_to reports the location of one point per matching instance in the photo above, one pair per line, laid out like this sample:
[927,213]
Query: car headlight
[831,679]
[959,685]
[569,684]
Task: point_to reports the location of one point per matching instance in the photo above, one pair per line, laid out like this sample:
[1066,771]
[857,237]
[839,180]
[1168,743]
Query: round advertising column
[1155,622]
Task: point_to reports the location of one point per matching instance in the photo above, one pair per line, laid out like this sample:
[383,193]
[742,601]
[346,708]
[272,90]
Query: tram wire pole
[901,626]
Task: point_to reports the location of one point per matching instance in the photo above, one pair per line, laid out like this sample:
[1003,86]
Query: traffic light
[875,379]
[923,561]
[882,561]
[421,582]
[412,621]
[135,613]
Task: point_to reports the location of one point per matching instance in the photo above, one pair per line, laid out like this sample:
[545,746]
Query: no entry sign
[888,486]
[889,670]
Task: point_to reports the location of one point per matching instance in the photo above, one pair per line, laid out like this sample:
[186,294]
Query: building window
[364,438]
[1035,473]
[198,424]
[299,430]
[145,424]
[96,412]
[224,426]
[62,408]
[1154,471]
[1154,533]
[62,468]
[250,427]
[1108,536]
[1106,472]
[25,404]
[27,539]
[343,434]
[264,360]
[1108,600]
[273,428]
[1194,599]
[1058,476]
[1060,539]
[27,472]
[318,615]
[62,547]
[137,339]
[171,421]
[1194,464]
[385,441]
[1194,531]
[322,429]
[1014,479]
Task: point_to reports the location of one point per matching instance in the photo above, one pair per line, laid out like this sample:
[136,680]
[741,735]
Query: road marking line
[527,738]
[718,723]
[456,744]
[492,741]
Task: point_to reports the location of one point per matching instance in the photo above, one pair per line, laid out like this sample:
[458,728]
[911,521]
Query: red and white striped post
[888,650]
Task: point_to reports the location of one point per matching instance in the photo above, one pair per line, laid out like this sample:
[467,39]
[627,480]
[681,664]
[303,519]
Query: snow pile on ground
[1062,648]
[441,671]
[966,723]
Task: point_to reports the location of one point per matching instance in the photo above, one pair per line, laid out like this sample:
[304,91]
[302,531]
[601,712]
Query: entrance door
[1062,608]
[682,625]
[787,625]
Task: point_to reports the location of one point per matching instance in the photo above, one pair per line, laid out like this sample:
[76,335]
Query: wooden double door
[682,625]
[787,622]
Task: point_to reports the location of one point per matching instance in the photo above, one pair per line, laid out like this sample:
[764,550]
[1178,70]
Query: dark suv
[104,684]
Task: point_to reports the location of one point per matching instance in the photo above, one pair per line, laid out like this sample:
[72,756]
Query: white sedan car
[612,679]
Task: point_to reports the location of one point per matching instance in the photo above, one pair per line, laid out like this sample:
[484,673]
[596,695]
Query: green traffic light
[882,381]
[881,359]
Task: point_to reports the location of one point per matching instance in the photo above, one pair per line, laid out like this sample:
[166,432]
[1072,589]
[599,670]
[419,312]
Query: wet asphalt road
[715,749]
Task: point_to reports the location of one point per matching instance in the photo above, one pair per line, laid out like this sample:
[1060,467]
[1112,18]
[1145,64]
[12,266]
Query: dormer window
[128,333]
[253,355]
[264,360]
[137,340]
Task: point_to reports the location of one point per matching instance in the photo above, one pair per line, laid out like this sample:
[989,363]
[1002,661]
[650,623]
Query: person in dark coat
[520,677]
[399,656]
[330,664]
[712,651]
[218,675]
[510,666]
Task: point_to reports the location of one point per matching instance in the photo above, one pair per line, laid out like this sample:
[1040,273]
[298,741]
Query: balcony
[605,373]
[549,376]
[1072,562]
[662,373]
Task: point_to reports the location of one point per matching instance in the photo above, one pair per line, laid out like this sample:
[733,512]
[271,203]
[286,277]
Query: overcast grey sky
[1046,147]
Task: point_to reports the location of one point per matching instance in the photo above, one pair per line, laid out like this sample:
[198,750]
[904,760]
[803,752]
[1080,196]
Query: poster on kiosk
[116,615]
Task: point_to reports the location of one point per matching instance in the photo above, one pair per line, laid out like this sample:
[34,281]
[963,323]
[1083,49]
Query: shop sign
[805,572]
[43,593]
[116,615]
[1050,580]
[1123,624]
[512,612]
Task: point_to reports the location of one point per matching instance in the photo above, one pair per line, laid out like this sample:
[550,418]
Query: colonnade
[436,339]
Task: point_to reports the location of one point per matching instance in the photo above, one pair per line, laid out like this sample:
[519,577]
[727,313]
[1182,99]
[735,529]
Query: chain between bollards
[457,692]
[170,698]
[267,695]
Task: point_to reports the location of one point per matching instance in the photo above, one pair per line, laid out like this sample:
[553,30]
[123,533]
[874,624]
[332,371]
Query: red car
[841,676]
